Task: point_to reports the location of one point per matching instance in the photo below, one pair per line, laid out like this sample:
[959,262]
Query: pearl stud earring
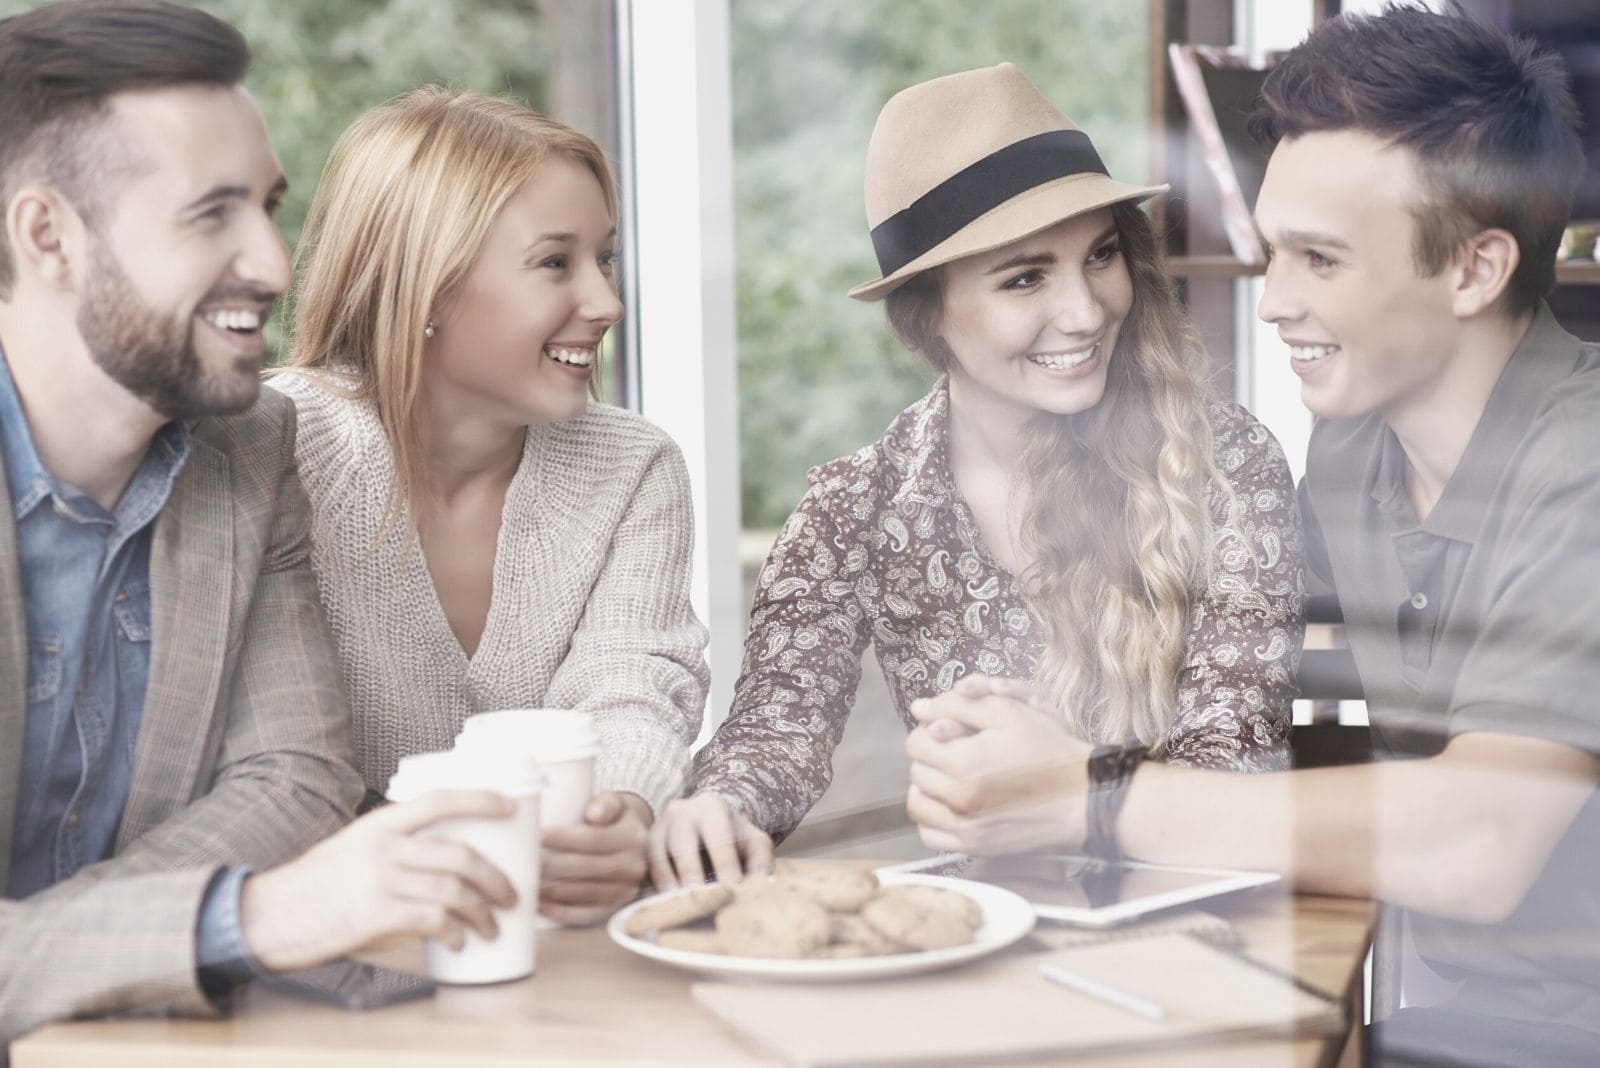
[428,330]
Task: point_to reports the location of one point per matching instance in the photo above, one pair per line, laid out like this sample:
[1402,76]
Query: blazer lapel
[191,597]
[13,675]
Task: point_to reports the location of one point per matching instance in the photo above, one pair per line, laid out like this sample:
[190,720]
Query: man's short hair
[60,63]
[1489,118]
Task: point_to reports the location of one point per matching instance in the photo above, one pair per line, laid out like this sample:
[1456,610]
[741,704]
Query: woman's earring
[428,330]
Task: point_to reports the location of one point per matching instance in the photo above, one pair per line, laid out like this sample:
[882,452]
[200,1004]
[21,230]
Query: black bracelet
[1110,768]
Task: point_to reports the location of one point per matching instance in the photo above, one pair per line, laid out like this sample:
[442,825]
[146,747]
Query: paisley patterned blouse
[883,549]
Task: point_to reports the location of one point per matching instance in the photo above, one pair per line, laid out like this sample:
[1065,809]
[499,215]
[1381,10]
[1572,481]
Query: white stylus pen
[1147,1010]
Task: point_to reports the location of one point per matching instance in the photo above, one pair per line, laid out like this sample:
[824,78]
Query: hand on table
[993,772]
[375,878]
[589,870]
[734,844]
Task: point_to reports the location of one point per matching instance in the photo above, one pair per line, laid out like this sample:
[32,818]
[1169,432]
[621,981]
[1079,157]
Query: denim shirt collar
[31,483]
[25,474]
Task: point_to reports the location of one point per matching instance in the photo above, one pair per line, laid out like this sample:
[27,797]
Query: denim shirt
[86,595]
[86,598]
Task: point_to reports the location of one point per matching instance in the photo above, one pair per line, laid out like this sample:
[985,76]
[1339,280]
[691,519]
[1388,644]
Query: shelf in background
[1222,268]
[1578,273]
[1213,268]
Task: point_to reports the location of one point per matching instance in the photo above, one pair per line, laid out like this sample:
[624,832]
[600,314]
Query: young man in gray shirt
[1423,170]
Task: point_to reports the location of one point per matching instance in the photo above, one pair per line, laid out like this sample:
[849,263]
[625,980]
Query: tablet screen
[1088,890]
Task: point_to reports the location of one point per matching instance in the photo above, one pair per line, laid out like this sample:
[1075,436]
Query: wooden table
[592,1003]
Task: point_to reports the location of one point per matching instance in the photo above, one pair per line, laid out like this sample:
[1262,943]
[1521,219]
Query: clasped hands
[992,771]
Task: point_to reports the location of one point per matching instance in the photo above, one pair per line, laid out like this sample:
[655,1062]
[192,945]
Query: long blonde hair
[1120,517]
[403,208]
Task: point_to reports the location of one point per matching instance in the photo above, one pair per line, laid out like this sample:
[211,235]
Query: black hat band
[942,211]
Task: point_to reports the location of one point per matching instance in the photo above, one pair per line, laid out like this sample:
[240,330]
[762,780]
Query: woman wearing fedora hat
[1066,506]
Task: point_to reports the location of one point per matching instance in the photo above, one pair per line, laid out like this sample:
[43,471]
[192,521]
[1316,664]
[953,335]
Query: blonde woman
[1066,506]
[486,535]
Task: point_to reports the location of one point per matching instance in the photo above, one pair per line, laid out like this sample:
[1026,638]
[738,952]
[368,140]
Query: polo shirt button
[1419,601]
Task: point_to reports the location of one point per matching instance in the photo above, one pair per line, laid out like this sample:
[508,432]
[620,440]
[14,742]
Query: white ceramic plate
[1006,918]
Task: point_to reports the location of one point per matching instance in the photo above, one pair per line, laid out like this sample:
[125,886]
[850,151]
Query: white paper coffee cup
[563,743]
[510,844]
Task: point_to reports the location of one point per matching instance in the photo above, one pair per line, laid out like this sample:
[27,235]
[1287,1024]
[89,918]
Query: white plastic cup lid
[545,734]
[478,769]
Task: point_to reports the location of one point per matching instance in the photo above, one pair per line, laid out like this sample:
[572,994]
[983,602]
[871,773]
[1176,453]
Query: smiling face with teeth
[1364,329]
[1033,325]
[518,340]
[186,262]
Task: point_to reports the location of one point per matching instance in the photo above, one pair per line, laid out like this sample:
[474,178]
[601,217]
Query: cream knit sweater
[590,608]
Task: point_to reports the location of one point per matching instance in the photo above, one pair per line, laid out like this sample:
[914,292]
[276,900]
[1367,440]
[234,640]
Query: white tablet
[1090,892]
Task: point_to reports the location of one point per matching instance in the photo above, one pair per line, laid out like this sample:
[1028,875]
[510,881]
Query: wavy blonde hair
[405,203]
[1120,517]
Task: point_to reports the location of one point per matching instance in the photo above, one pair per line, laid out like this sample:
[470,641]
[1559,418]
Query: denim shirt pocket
[44,669]
[131,611]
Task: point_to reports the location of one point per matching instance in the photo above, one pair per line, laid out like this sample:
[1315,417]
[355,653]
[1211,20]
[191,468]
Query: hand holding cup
[591,869]
[383,875]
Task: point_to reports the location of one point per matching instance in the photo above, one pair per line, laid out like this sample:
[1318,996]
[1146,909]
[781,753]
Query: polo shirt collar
[1545,355]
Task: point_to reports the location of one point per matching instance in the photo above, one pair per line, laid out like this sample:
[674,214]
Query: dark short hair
[60,63]
[1489,118]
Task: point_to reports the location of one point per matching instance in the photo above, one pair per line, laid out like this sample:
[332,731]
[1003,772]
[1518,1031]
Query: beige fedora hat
[972,161]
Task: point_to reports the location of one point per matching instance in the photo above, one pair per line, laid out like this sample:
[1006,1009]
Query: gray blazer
[243,754]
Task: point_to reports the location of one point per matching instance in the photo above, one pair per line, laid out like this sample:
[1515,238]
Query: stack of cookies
[805,912]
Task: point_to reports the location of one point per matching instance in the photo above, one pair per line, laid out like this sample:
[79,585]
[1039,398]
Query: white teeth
[1312,352]
[571,357]
[234,319]
[1056,361]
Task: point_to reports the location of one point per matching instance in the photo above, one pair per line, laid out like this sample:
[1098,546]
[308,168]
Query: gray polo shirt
[1485,617]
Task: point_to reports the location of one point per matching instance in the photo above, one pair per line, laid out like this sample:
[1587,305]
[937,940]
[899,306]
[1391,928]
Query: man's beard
[153,357]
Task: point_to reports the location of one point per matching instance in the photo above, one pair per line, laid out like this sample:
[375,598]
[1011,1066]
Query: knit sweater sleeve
[637,658]
[336,440]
